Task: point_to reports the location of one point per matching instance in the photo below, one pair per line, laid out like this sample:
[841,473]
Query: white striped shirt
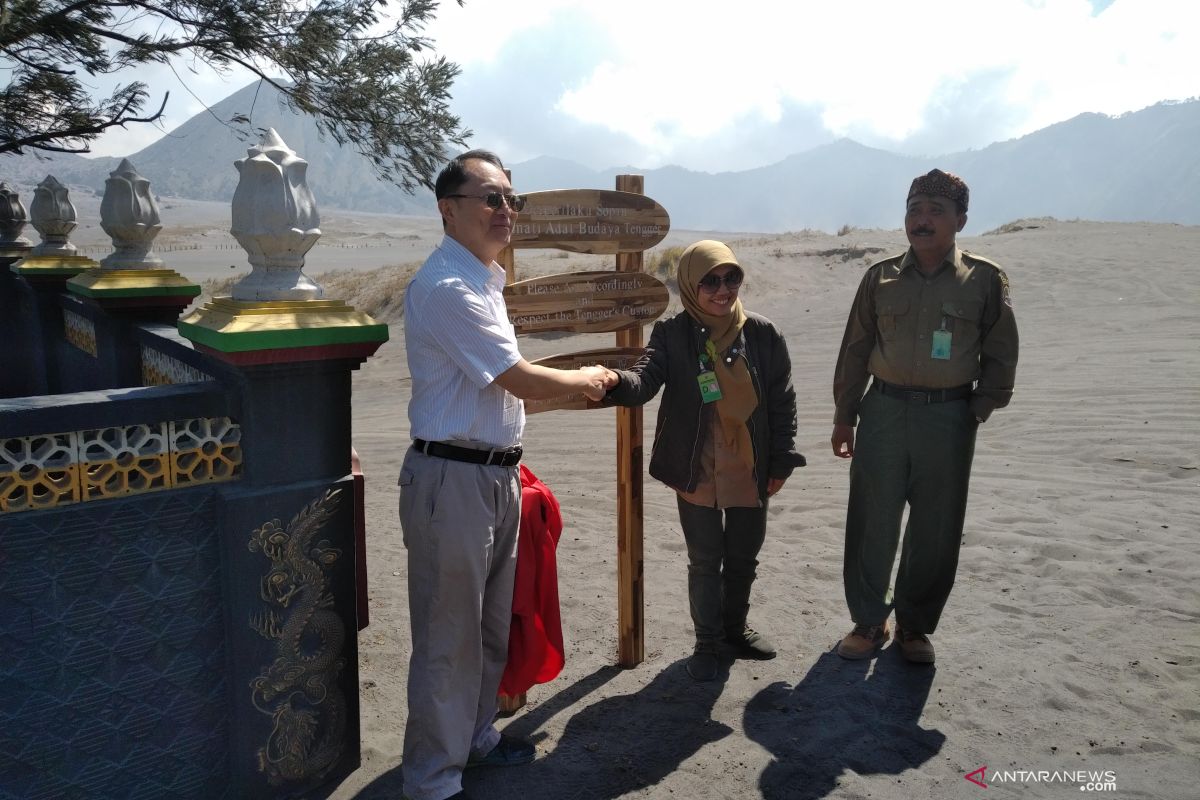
[458,338]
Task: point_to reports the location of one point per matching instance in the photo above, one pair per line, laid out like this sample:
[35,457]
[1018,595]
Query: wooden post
[631,646]
[509,704]
[507,258]
[509,262]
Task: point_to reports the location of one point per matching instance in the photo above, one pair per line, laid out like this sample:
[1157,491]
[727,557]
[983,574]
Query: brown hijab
[738,398]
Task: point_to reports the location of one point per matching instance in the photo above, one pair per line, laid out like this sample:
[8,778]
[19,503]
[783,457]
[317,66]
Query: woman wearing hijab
[725,441]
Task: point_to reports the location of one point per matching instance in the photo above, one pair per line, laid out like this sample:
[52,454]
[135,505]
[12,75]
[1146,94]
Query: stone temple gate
[178,558]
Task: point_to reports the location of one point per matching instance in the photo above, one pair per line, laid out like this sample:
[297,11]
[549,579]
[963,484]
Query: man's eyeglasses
[732,280]
[493,199]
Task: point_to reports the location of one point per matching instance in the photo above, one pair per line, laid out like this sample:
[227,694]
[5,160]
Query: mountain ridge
[1140,166]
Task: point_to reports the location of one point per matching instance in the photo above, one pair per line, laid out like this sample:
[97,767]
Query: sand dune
[1070,642]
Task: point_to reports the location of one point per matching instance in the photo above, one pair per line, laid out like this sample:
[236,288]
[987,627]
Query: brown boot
[863,642]
[916,647]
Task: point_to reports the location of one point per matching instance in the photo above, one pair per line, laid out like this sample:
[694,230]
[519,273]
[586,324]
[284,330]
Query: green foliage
[364,78]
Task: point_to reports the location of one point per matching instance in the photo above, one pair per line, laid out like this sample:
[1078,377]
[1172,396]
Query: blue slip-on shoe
[508,752]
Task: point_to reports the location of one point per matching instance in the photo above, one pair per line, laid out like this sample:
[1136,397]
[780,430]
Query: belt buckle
[500,458]
[917,397]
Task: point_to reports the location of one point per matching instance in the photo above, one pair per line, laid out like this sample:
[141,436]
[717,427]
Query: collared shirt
[458,338]
[890,331]
[736,487]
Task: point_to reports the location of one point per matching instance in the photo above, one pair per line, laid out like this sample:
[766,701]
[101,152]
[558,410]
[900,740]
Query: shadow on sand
[843,715]
[860,716]
[607,749]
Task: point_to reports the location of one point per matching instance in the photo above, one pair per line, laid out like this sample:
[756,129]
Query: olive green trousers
[722,547]
[918,455]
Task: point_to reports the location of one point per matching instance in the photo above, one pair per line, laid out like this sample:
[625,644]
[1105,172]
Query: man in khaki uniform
[934,330]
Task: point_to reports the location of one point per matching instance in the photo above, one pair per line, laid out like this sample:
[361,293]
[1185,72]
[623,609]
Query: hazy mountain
[196,160]
[1142,166]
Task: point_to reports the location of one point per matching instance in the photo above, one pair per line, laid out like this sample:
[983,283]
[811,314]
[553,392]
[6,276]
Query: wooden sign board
[611,357]
[600,221]
[585,302]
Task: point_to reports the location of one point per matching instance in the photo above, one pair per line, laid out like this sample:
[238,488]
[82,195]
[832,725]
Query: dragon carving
[299,690]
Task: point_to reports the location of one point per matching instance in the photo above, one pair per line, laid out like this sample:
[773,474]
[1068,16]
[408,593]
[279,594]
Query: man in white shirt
[460,490]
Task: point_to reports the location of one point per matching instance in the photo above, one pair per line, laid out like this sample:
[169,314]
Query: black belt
[922,396]
[507,457]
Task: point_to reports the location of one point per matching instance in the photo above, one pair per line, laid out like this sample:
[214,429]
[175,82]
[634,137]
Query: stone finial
[12,220]
[129,215]
[53,216]
[275,219]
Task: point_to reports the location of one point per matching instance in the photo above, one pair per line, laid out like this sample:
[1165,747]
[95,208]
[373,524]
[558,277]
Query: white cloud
[685,82]
[683,72]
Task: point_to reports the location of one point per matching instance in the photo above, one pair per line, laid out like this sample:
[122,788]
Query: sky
[718,86]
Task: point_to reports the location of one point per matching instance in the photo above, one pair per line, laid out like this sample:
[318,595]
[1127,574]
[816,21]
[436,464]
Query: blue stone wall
[113,676]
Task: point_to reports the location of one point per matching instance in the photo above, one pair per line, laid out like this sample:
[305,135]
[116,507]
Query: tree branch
[43,141]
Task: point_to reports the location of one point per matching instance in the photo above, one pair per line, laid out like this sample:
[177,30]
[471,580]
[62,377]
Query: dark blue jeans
[723,547]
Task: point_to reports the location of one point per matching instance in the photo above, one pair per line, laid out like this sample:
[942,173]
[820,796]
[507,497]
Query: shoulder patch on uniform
[1004,293]
[980,259]
[976,259]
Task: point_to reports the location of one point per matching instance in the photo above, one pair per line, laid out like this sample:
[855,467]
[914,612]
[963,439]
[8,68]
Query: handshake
[597,381]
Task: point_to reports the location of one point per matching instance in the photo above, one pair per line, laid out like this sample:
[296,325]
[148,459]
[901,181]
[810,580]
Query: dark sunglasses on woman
[732,280]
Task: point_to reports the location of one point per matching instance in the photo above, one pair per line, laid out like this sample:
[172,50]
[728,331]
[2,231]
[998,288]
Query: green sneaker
[703,665]
[749,643]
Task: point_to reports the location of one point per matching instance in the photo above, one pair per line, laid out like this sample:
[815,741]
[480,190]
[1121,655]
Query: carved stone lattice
[160,369]
[38,471]
[81,332]
[126,460]
[58,469]
[129,214]
[205,450]
[275,219]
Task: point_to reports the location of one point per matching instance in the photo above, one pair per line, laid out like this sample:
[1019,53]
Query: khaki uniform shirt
[890,332]
[736,486]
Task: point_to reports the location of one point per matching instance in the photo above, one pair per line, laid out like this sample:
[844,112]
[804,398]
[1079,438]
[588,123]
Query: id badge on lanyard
[941,343]
[710,389]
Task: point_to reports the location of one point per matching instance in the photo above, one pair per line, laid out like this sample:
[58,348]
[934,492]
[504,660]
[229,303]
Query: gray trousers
[460,523]
[723,547]
[915,454]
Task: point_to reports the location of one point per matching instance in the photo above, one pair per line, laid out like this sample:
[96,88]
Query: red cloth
[535,643]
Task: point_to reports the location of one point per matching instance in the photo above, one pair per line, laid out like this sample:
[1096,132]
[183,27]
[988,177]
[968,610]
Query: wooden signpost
[623,223]
[585,302]
[595,221]
[611,357]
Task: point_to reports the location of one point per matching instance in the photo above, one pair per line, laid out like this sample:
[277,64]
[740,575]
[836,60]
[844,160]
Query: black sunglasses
[493,199]
[732,280]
